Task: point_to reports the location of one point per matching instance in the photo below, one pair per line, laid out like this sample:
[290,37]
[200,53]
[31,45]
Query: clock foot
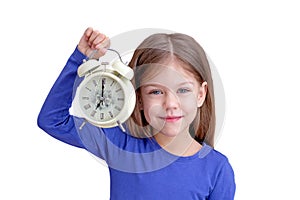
[82,125]
[121,126]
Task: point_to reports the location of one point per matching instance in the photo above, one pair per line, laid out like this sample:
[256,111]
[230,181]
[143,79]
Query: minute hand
[102,91]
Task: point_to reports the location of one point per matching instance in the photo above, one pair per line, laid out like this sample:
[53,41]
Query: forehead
[172,73]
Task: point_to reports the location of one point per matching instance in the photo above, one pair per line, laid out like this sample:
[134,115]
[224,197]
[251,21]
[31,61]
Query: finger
[102,47]
[85,37]
[104,44]
[99,39]
[88,32]
[83,42]
[93,37]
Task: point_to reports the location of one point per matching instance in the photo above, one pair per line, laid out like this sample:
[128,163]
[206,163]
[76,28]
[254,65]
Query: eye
[183,90]
[156,92]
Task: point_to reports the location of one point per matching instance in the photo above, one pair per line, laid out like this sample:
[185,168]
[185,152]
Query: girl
[167,150]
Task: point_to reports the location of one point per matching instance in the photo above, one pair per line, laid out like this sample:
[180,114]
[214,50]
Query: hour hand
[98,102]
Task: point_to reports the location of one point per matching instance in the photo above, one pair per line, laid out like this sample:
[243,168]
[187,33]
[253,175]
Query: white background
[254,45]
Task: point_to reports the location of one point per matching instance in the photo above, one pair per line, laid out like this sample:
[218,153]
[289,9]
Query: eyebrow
[155,84]
[187,82]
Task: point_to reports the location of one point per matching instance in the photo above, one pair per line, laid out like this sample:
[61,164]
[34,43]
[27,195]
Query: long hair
[158,48]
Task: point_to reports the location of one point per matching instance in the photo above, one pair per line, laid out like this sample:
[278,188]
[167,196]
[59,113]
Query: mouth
[171,118]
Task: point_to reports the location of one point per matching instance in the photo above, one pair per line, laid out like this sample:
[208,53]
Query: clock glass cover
[102,98]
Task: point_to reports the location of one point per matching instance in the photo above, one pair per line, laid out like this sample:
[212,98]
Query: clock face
[101,98]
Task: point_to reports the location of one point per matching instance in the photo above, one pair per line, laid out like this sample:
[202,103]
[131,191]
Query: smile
[171,118]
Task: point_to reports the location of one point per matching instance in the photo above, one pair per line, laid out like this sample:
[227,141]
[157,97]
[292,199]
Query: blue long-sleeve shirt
[139,168]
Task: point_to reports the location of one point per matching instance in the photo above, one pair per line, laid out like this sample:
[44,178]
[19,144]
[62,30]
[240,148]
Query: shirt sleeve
[54,117]
[225,185]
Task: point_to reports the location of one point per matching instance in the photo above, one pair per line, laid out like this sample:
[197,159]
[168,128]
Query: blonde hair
[158,48]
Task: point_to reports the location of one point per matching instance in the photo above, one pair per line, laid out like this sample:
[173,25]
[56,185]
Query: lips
[171,118]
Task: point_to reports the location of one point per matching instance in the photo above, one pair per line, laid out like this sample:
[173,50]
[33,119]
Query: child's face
[170,99]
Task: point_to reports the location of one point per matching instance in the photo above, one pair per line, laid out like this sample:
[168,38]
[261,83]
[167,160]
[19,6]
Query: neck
[180,145]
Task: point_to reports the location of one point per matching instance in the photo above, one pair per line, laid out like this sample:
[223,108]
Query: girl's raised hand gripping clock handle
[93,40]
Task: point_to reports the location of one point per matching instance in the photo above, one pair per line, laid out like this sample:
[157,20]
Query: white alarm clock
[105,97]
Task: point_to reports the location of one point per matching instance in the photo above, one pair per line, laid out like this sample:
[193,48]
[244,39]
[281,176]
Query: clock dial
[101,98]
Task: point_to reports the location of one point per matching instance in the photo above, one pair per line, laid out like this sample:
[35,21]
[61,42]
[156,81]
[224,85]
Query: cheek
[189,103]
[191,111]
[151,111]
[189,108]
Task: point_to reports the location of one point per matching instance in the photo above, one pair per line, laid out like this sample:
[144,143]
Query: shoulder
[209,153]
[214,160]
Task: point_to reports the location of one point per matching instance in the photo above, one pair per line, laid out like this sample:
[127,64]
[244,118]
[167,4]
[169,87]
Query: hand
[93,40]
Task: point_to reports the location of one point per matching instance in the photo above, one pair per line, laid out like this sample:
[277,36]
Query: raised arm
[54,117]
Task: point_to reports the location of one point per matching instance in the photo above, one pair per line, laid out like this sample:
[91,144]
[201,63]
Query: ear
[202,94]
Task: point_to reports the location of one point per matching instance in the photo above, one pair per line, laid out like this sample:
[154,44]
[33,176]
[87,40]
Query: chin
[169,129]
[170,132]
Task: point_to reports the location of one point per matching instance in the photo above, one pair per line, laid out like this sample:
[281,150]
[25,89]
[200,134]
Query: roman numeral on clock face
[118,90]
[87,106]
[93,113]
[112,83]
[95,83]
[117,108]
[101,115]
[88,89]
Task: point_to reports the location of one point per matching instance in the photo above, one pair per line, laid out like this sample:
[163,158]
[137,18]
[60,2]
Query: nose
[171,101]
